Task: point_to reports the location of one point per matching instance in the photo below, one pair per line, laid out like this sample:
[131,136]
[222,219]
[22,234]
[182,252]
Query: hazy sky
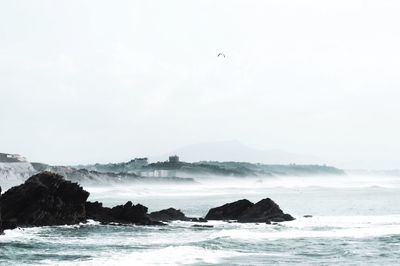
[86,81]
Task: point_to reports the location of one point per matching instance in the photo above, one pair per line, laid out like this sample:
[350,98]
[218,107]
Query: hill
[235,151]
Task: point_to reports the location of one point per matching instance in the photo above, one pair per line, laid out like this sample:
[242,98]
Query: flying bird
[221,55]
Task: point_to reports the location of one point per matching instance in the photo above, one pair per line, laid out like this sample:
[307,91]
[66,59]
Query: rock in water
[244,211]
[122,214]
[172,214]
[229,211]
[48,199]
[44,199]
[169,214]
[266,210]
[136,214]
[1,224]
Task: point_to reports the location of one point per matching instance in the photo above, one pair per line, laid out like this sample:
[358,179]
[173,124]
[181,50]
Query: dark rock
[96,211]
[198,220]
[307,216]
[169,214]
[263,211]
[133,213]
[229,211]
[121,214]
[244,211]
[278,219]
[44,199]
[203,226]
[172,214]
[9,224]
[1,223]
[48,199]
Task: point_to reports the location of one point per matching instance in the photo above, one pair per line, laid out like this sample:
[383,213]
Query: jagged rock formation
[48,199]
[244,211]
[44,199]
[169,214]
[1,223]
[172,214]
[229,211]
[121,214]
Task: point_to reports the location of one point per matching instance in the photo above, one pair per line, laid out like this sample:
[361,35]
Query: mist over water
[296,195]
[356,220]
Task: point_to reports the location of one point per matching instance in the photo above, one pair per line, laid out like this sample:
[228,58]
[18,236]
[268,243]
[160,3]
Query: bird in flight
[221,55]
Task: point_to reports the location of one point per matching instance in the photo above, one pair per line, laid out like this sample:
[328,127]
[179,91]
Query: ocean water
[355,221]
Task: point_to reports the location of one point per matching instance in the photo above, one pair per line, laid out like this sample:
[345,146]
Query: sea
[355,220]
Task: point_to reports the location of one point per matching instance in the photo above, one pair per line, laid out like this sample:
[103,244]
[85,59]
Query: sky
[104,81]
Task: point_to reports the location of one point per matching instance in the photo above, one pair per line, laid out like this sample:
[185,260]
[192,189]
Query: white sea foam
[20,234]
[12,174]
[179,246]
[222,186]
[322,227]
[172,255]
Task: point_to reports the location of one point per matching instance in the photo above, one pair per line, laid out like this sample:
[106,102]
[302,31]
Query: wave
[171,255]
[318,227]
[12,174]
[180,243]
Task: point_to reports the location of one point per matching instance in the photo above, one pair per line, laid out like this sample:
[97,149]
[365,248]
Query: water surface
[356,221]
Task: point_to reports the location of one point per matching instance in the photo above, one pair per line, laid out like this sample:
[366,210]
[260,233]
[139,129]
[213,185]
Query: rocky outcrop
[48,199]
[1,223]
[44,199]
[244,211]
[229,211]
[121,214]
[169,214]
[172,214]
[263,211]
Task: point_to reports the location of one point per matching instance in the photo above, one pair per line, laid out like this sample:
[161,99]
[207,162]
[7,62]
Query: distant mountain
[237,152]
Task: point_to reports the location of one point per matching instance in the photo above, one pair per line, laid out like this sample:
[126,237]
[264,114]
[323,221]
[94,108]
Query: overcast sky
[86,81]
